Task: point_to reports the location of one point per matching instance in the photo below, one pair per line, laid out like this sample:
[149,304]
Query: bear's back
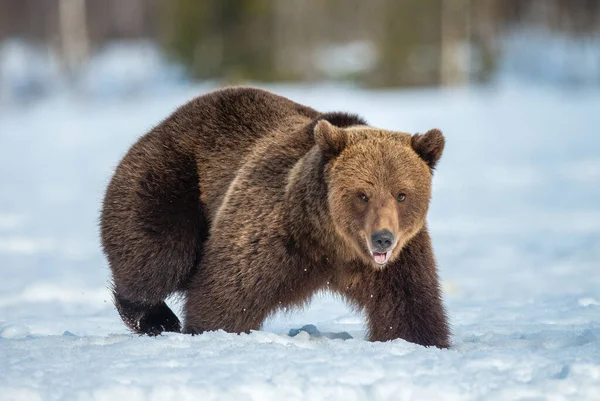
[224,126]
[197,151]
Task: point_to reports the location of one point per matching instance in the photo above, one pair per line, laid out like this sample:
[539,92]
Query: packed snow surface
[515,221]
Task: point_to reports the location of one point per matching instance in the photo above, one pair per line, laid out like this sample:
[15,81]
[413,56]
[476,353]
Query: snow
[26,71]
[122,69]
[538,54]
[515,221]
[127,68]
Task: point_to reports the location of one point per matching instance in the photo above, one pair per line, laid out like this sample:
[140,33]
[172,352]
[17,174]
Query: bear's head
[379,186]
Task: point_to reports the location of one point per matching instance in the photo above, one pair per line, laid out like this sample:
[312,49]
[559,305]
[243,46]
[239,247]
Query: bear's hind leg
[153,228]
[144,319]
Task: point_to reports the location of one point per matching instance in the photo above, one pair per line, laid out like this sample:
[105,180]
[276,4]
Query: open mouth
[381,258]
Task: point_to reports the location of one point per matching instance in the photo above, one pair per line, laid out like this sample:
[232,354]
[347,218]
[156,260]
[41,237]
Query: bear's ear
[330,139]
[429,146]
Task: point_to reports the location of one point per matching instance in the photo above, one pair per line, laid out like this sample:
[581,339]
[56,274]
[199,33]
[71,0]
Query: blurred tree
[73,35]
[230,39]
[409,44]
[378,43]
[485,27]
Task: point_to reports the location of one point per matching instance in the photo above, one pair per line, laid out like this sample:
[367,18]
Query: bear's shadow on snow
[312,331]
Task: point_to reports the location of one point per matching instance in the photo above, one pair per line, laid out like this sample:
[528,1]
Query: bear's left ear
[429,146]
[330,139]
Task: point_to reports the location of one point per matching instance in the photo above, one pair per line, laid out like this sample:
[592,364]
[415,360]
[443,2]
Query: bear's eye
[363,197]
[401,197]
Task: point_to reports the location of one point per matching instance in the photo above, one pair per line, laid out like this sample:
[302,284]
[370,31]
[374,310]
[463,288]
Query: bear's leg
[153,229]
[402,300]
[221,297]
[236,290]
[147,319]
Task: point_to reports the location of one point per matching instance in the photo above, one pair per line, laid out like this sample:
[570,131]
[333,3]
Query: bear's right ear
[330,139]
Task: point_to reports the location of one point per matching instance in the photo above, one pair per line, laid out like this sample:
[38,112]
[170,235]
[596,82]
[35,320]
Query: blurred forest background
[375,43]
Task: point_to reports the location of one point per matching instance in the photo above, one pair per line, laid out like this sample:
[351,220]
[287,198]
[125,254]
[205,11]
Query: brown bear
[247,202]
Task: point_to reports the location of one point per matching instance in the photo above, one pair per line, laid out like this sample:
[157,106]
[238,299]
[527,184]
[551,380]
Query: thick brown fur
[247,202]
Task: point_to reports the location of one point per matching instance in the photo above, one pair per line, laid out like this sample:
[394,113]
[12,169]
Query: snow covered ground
[515,221]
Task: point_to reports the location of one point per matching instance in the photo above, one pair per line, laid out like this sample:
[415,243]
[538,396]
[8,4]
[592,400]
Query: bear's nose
[382,240]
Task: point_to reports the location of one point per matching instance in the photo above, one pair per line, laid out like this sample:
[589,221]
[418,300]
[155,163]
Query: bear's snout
[382,244]
[382,241]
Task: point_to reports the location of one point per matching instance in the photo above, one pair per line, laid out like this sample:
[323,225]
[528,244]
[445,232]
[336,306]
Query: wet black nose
[382,240]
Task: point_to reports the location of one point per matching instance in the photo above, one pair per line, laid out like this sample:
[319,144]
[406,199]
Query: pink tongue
[379,257]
